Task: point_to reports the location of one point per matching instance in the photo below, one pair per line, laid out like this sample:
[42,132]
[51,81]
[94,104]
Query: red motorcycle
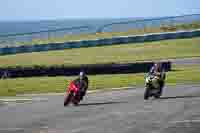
[73,94]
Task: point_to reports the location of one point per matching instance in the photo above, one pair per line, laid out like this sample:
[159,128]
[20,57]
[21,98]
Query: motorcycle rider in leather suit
[158,69]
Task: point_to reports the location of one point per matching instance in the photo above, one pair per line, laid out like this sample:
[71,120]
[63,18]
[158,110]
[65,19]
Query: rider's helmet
[158,66]
[82,75]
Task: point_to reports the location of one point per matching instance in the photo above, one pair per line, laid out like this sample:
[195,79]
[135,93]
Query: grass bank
[12,87]
[162,28]
[125,53]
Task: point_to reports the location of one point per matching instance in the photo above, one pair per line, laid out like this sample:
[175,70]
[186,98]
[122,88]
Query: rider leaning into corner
[82,81]
[158,69]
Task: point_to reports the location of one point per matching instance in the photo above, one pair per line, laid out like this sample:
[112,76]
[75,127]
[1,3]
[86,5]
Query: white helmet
[81,75]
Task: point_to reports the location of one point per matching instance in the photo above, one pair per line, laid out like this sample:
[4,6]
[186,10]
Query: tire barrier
[100,42]
[89,69]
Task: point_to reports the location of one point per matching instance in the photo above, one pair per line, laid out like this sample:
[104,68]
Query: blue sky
[62,9]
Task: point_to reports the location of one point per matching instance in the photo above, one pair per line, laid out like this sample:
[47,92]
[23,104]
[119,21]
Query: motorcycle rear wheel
[76,100]
[157,96]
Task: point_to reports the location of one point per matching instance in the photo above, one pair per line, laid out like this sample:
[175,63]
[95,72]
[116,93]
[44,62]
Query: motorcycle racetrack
[124,111]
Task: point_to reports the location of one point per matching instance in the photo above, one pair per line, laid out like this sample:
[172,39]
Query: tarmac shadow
[101,103]
[179,97]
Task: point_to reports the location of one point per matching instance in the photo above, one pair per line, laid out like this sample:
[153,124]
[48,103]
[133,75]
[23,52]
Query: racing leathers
[159,71]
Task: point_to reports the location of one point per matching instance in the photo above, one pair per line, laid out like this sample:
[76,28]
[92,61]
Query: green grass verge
[163,28]
[180,75]
[125,53]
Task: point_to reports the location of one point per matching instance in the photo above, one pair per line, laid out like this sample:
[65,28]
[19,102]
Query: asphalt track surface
[125,111]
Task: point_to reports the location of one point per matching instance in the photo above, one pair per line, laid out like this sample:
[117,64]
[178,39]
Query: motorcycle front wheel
[146,94]
[68,99]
